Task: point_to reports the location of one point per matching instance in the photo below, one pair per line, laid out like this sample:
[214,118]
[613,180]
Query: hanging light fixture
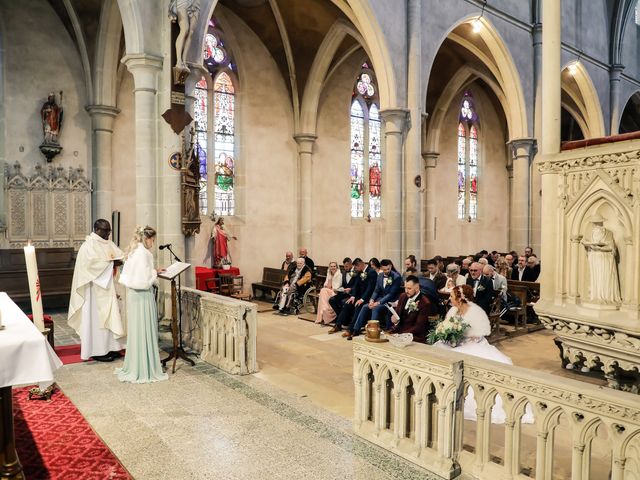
[476,24]
[573,66]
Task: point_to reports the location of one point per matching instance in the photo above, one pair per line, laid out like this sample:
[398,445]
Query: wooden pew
[272,279]
[55,269]
[528,293]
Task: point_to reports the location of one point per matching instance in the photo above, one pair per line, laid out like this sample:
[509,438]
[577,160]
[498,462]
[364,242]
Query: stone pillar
[395,126]
[102,117]
[541,455]
[145,70]
[615,72]
[550,141]
[430,160]
[536,213]
[522,152]
[305,143]
[412,197]
[574,274]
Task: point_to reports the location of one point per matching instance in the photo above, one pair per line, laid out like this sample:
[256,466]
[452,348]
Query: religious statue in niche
[185,14]
[220,253]
[603,268]
[190,182]
[51,118]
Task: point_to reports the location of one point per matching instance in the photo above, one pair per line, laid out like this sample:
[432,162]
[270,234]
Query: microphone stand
[176,321]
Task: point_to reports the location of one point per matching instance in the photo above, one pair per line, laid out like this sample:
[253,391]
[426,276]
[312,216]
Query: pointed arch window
[366,156]
[468,159]
[216,129]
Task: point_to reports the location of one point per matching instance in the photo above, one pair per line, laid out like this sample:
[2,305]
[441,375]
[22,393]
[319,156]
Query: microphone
[166,245]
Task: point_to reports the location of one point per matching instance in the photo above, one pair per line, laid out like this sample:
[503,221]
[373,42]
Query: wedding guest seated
[410,263]
[466,263]
[412,311]
[493,258]
[348,279]
[453,278]
[325,314]
[288,260]
[499,281]
[483,261]
[387,290]
[528,251]
[435,275]
[439,263]
[522,273]
[307,261]
[533,268]
[503,267]
[482,287]
[363,287]
[296,282]
[509,258]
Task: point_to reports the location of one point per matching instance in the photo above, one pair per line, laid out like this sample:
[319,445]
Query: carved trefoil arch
[51,207]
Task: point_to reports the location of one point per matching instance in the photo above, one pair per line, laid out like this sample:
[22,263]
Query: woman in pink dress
[326,314]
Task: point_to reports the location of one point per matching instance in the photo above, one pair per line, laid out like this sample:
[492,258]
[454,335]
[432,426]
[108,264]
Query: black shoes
[103,358]
[114,355]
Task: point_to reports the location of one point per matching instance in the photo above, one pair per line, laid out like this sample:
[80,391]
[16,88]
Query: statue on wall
[185,14]
[190,186]
[220,253]
[51,118]
[603,269]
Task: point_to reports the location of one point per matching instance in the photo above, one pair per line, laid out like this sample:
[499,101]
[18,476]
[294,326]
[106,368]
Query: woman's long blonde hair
[139,234]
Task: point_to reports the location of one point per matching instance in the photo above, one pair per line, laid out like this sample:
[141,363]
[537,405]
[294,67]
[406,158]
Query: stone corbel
[397,121]
[430,159]
[523,148]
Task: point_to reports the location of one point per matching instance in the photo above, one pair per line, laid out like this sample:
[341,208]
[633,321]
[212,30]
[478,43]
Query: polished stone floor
[290,420]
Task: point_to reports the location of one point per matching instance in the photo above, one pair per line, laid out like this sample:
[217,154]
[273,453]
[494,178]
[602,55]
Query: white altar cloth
[26,358]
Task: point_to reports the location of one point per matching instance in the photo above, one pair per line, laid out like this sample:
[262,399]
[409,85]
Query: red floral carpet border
[55,442]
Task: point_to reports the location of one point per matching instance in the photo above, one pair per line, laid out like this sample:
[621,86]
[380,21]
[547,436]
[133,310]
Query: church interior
[262,139]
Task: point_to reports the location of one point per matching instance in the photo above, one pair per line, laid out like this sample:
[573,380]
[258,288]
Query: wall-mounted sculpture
[51,117]
[603,268]
[185,14]
[190,182]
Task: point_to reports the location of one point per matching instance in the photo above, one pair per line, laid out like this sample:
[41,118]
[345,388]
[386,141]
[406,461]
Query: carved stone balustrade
[595,333]
[411,402]
[227,330]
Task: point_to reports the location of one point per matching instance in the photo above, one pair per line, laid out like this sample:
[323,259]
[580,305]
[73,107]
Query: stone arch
[506,84]
[132,25]
[630,114]
[581,99]
[107,55]
[592,203]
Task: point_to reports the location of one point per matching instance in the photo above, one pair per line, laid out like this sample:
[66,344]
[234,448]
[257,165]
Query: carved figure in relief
[185,13]
[51,116]
[602,254]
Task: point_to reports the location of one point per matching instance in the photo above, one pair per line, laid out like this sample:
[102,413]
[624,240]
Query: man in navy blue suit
[361,292]
[388,288]
[350,272]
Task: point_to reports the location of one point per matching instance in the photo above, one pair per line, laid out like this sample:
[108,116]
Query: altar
[26,358]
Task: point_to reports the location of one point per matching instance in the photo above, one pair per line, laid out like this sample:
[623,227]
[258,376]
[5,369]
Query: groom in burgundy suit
[413,310]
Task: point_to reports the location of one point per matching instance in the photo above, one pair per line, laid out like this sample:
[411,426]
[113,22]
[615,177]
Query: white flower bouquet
[450,330]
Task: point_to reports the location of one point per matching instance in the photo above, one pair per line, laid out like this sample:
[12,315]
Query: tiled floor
[290,420]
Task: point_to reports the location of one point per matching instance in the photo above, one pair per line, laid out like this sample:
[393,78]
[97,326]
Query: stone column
[615,72]
[395,124]
[541,455]
[412,197]
[145,70]
[574,274]
[305,143]
[430,160]
[522,152]
[102,117]
[550,141]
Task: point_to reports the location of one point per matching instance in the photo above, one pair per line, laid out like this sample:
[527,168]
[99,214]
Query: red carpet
[54,441]
[69,354]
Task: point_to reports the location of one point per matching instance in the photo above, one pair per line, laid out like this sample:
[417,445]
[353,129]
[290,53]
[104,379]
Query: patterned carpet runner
[54,441]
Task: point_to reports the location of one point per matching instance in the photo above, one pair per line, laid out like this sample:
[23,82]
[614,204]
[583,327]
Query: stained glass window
[224,141]
[357,160]
[375,163]
[462,170]
[366,153]
[200,110]
[467,171]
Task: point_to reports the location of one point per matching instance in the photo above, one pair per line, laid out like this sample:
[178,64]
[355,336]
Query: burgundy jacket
[413,322]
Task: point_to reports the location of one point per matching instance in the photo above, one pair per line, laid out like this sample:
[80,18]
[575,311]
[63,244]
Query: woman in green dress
[142,360]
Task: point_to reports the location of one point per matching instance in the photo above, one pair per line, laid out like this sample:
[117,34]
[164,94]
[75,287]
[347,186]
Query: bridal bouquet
[450,330]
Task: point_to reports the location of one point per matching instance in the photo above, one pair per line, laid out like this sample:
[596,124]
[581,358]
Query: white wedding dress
[477,345]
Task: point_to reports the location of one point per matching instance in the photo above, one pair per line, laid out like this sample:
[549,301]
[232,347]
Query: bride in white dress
[476,344]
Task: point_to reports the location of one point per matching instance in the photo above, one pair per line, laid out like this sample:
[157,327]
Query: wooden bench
[271,283]
[528,293]
[55,269]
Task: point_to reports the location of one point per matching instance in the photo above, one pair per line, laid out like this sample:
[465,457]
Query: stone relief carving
[42,206]
[589,162]
[602,254]
[604,336]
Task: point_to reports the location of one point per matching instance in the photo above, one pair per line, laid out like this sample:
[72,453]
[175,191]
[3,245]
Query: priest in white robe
[93,308]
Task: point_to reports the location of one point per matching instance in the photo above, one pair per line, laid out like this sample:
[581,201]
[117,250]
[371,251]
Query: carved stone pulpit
[590,293]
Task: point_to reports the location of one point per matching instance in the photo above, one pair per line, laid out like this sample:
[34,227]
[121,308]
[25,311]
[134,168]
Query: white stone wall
[124,158]
[40,57]
[490,230]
